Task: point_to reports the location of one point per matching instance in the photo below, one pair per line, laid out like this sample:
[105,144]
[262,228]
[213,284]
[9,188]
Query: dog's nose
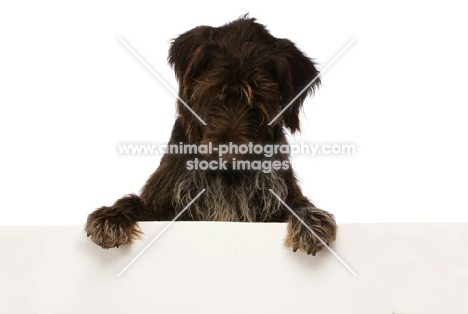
[225,152]
[230,157]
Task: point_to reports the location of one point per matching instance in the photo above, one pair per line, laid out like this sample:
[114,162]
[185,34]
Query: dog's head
[237,78]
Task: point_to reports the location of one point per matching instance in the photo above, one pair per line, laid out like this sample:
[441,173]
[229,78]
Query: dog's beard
[231,195]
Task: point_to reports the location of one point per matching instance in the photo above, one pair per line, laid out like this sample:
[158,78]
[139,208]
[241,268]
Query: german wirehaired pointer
[236,78]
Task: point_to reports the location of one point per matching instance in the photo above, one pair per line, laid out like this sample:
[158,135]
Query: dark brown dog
[236,78]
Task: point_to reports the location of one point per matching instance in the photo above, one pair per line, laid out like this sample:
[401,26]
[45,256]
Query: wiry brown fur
[238,201]
[236,77]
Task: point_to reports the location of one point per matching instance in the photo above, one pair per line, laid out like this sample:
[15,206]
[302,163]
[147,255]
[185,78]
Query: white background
[70,93]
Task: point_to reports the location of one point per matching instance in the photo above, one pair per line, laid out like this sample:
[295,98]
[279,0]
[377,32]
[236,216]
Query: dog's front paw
[300,237]
[109,227]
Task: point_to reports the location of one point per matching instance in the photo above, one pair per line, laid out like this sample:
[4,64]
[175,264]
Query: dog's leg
[112,226]
[116,225]
[321,222]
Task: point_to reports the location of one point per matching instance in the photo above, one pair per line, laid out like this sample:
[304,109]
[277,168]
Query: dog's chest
[245,198]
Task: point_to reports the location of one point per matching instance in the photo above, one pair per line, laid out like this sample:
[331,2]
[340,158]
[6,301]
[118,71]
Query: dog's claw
[295,249]
[88,234]
[117,246]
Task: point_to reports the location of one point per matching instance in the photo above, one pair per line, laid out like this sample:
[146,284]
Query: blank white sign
[203,267]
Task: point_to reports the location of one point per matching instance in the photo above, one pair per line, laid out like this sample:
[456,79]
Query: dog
[233,81]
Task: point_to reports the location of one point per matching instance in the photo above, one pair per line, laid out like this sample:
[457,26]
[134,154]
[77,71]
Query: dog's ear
[185,52]
[188,55]
[294,73]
